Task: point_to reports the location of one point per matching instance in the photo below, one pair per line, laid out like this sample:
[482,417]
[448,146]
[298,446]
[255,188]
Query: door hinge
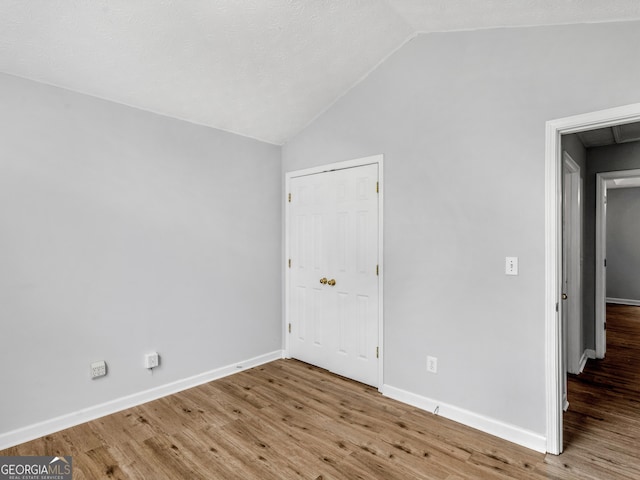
[289,263]
[605,262]
[289,198]
[289,328]
[377,352]
[605,325]
[377,187]
[377,270]
[557,307]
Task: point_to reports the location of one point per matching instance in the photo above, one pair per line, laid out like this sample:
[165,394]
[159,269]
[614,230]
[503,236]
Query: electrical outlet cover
[151,360]
[511,266]
[98,369]
[432,364]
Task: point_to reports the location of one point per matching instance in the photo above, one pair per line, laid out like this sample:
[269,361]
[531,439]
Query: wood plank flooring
[602,425]
[289,420]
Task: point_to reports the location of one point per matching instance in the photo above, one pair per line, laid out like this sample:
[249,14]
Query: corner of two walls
[126,232]
[460,120]
[123,229]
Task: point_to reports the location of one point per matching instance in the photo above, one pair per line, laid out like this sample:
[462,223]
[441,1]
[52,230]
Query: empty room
[319,239]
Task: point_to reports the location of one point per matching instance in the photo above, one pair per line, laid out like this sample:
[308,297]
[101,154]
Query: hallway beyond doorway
[603,420]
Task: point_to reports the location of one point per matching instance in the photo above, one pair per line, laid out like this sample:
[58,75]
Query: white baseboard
[623,301]
[492,426]
[586,355]
[583,361]
[31,432]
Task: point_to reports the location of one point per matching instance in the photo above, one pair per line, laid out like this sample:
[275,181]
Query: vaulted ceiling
[260,68]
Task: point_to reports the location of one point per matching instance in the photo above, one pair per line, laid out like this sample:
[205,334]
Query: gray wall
[460,118]
[124,232]
[623,244]
[574,147]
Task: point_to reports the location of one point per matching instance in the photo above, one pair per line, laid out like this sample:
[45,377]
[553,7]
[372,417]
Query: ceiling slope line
[354,85]
[141,109]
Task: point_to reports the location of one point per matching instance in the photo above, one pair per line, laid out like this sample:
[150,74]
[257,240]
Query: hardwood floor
[602,425]
[289,420]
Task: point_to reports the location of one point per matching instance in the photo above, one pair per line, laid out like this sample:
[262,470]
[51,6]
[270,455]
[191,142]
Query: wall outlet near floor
[98,369]
[151,360]
[432,364]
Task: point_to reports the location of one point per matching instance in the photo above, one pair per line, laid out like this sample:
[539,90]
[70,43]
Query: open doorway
[555,333]
[606,181]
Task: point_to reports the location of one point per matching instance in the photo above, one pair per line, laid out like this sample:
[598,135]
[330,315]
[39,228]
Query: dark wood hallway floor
[288,420]
[602,425]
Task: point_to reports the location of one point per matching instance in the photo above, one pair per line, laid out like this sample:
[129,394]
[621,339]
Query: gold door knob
[564,296]
[331,282]
[323,280]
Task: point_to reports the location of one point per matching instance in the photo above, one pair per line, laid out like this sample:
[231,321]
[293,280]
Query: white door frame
[604,182]
[573,231]
[553,252]
[375,159]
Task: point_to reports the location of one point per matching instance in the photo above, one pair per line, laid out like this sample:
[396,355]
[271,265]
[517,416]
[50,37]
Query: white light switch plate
[511,266]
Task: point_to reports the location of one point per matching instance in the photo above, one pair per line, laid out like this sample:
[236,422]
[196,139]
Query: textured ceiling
[259,68]
[449,15]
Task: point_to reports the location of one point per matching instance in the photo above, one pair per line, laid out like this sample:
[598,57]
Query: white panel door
[333,277]
[572,265]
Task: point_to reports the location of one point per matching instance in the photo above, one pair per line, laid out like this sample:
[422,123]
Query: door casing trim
[359,162]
